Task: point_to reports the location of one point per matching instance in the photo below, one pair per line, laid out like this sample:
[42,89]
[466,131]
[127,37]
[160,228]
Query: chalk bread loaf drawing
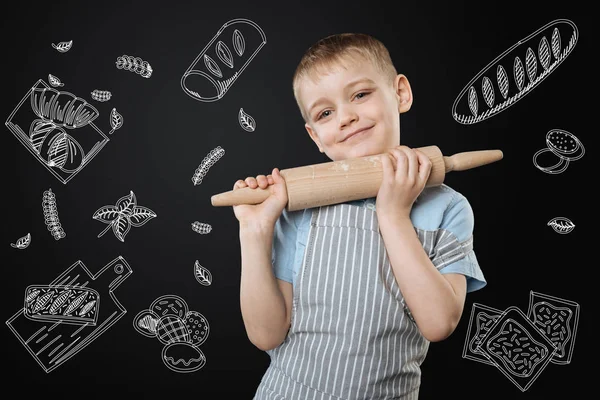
[223,60]
[67,304]
[495,88]
[482,319]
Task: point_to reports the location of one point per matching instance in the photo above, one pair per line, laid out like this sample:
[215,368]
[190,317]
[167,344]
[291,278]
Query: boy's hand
[405,173]
[264,215]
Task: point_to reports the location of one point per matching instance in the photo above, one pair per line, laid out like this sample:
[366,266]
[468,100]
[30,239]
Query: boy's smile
[353,111]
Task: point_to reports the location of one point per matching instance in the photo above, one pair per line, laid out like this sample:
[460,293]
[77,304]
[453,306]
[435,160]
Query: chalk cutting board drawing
[57,128]
[502,82]
[223,60]
[75,293]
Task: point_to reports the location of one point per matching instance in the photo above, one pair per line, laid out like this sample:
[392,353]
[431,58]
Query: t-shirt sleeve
[456,255]
[284,246]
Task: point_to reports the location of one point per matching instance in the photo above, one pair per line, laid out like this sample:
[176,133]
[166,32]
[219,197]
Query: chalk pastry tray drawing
[57,128]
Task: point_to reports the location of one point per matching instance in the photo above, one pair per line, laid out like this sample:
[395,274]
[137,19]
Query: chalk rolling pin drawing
[223,60]
[493,90]
[352,179]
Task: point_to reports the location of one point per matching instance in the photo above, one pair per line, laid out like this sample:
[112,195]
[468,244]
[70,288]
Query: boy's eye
[362,94]
[323,114]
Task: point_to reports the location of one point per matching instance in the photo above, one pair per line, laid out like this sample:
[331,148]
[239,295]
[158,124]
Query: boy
[346,298]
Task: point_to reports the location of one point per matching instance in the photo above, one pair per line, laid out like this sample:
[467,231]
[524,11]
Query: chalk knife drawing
[516,72]
[58,130]
[59,320]
[22,243]
[223,60]
[123,215]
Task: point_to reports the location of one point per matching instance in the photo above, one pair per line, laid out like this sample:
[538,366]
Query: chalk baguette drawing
[482,319]
[54,81]
[116,121]
[562,225]
[41,121]
[246,121]
[101,95]
[66,304]
[134,64]
[564,145]
[123,215]
[51,218]
[201,227]
[202,275]
[484,96]
[22,243]
[557,319]
[63,47]
[223,60]
[517,348]
[180,330]
[51,343]
[207,162]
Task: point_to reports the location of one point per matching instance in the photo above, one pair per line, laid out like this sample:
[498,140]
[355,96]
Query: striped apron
[351,334]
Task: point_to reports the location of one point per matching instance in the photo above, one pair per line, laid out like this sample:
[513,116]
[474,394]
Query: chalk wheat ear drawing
[550,43]
[123,215]
[208,161]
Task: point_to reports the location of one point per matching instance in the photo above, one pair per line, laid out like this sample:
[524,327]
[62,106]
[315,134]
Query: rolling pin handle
[471,159]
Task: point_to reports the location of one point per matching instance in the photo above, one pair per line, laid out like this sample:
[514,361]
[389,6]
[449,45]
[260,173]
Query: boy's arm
[435,300]
[265,301]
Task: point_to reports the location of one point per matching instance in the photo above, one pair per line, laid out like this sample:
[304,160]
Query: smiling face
[353,111]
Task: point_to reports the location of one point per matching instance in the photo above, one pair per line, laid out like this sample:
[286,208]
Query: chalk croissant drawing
[22,242]
[562,144]
[516,72]
[51,215]
[207,162]
[58,320]
[223,60]
[58,130]
[561,225]
[180,330]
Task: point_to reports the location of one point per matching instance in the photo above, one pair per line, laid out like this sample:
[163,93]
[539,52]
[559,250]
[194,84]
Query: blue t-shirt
[436,208]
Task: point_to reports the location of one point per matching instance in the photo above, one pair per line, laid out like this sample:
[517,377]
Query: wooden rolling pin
[347,180]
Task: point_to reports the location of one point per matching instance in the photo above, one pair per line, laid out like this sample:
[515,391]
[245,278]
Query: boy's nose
[347,115]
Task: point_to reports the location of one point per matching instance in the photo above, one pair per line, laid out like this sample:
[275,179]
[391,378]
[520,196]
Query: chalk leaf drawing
[116,121]
[54,81]
[123,215]
[468,107]
[63,47]
[246,121]
[217,67]
[134,64]
[203,276]
[56,321]
[562,144]
[57,128]
[22,243]
[561,225]
[181,331]
[207,162]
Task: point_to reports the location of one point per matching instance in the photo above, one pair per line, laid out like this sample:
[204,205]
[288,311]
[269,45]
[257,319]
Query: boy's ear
[403,93]
[313,135]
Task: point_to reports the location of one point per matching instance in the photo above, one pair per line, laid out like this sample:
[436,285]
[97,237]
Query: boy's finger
[251,181]
[401,162]
[386,165]
[424,165]
[413,162]
[262,181]
[239,184]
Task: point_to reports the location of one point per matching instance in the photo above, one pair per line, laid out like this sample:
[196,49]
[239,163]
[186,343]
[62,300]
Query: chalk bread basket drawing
[223,60]
[493,90]
[57,128]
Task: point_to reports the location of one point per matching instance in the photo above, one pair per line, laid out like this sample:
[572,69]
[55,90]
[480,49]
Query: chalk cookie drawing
[562,144]
[223,60]
[517,347]
[494,88]
[58,320]
[57,128]
[134,64]
[63,47]
[101,95]
[561,225]
[123,215]
[51,215]
[22,242]
[207,162]
[203,275]
[180,330]
[116,121]
[557,319]
[246,121]
[201,227]
[54,81]
[482,319]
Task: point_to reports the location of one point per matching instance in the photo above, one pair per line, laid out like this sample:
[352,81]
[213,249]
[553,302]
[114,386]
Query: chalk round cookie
[183,357]
[169,305]
[170,329]
[197,327]
[564,144]
[145,323]
[554,169]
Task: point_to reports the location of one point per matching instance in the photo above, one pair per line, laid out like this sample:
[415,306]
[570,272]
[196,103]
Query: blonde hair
[335,50]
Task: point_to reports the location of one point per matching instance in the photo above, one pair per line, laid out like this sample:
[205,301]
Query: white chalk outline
[63,340]
[134,64]
[101,95]
[554,223]
[201,227]
[54,81]
[202,274]
[24,138]
[51,218]
[22,243]
[476,310]
[564,156]
[552,302]
[208,161]
[246,121]
[525,44]
[63,47]
[205,66]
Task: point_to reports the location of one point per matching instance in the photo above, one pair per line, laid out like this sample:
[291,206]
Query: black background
[166,134]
